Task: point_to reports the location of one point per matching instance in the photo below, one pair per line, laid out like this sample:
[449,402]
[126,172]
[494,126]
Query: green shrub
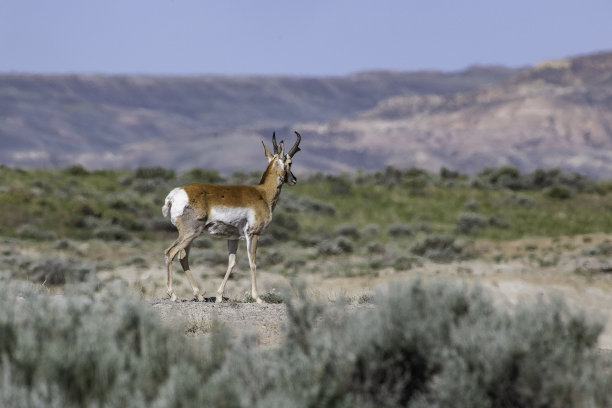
[272,257]
[83,206]
[337,246]
[602,249]
[240,177]
[603,187]
[125,220]
[206,176]
[30,231]
[317,207]
[340,185]
[345,245]
[294,264]
[370,230]
[542,179]
[415,180]
[498,221]
[50,271]
[502,177]
[210,257]
[390,176]
[470,223]
[200,242]
[154,173]
[471,205]
[292,203]
[111,233]
[268,297]
[284,226]
[348,230]
[63,244]
[271,297]
[400,230]
[365,298]
[76,170]
[146,185]
[442,248]
[160,224]
[558,192]
[404,263]
[449,174]
[520,200]
[376,248]
[56,271]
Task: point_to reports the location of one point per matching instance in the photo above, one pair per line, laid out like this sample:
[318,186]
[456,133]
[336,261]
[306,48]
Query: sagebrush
[415,344]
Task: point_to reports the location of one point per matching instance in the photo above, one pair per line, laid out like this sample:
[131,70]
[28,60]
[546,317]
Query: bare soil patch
[198,318]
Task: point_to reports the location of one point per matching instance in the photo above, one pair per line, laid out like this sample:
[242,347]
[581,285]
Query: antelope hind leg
[177,248]
[169,277]
[184,259]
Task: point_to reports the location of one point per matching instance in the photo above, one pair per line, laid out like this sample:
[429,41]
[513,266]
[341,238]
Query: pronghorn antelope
[232,212]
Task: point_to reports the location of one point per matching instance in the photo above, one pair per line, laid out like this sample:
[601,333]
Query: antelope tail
[167,205]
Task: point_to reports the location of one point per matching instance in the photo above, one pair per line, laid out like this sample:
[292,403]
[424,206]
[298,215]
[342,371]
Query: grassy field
[347,225]
[79,204]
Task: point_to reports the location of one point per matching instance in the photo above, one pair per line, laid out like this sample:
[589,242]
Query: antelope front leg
[232,247]
[251,252]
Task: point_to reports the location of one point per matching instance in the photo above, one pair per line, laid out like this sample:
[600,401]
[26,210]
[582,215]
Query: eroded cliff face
[555,114]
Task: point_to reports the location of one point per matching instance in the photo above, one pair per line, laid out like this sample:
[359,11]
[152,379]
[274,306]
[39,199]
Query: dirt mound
[198,318]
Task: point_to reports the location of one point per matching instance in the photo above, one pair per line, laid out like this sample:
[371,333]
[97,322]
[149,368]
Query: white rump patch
[177,199]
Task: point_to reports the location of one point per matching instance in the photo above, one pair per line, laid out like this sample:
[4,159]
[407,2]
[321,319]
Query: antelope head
[279,162]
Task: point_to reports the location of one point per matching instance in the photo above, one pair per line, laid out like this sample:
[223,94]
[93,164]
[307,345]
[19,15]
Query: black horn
[296,146]
[274,145]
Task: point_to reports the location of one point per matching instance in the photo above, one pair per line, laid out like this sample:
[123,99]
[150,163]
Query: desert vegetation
[80,249]
[419,345]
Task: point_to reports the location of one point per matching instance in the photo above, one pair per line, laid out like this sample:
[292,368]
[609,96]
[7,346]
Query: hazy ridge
[554,114]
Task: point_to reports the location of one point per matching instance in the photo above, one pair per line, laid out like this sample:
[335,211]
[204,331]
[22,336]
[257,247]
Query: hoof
[198,298]
[219,298]
[258,300]
[173,297]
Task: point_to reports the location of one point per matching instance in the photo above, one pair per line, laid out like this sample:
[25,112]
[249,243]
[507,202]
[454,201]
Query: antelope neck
[271,185]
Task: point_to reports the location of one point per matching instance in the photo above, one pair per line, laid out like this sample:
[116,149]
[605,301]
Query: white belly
[229,221]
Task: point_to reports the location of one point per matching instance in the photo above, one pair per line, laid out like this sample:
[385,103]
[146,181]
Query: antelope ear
[269,155]
[281,149]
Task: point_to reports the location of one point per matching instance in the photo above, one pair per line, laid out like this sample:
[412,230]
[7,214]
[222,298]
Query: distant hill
[554,114]
[184,122]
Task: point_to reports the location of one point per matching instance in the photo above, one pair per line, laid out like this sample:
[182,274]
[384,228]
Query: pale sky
[266,37]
